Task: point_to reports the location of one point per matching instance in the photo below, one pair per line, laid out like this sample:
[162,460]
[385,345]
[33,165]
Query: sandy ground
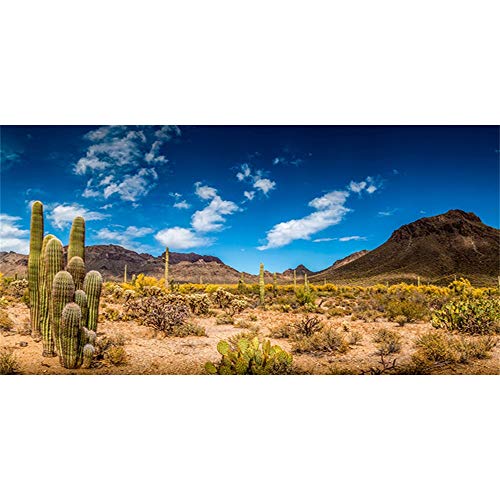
[148,354]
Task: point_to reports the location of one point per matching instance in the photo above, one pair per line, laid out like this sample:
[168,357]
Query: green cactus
[251,357]
[92,286]
[81,300]
[63,292]
[125,274]
[69,336]
[275,285]
[77,239]
[167,258]
[262,286]
[88,355]
[36,241]
[52,263]
[306,284]
[76,267]
[294,279]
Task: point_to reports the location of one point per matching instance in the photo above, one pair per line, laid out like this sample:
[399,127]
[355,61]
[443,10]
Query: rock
[23,344]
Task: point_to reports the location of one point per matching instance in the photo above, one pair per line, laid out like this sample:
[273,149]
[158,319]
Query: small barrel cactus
[92,286]
[88,355]
[69,336]
[76,267]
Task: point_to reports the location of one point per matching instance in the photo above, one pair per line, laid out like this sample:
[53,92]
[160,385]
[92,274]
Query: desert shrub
[436,347]
[6,324]
[354,338]
[222,298]
[411,310]
[388,342]
[8,363]
[401,320]
[282,330]
[475,316]
[308,326]
[111,313]
[460,287]
[116,355]
[251,357]
[198,303]
[305,296]
[17,288]
[224,319]
[324,340]
[189,329]
[159,313]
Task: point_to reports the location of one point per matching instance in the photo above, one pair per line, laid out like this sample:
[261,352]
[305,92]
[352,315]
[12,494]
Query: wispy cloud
[352,238]
[12,236]
[330,209]
[61,216]
[323,240]
[257,179]
[183,205]
[387,213]
[182,238]
[122,160]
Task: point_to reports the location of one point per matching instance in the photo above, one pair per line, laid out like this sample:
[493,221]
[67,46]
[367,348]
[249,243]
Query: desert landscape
[425,302]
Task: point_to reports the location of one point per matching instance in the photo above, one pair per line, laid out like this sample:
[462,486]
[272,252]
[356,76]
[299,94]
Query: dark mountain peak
[350,258]
[454,222]
[300,270]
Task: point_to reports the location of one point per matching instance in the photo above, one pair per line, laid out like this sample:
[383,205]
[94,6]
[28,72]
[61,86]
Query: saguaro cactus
[306,283]
[69,335]
[76,267]
[52,264]
[92,285]
[77,239]
[36,241]
[262,286]
[81,300]
[125,274]
[275,285]
[63,292]
[167,257]
[294,279]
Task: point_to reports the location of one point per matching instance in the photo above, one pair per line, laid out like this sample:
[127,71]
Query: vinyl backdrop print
[249,250]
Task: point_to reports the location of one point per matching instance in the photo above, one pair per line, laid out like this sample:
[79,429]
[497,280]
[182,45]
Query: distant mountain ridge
[433,248]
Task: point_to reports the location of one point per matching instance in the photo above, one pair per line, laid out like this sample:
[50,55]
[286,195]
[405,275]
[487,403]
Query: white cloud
[357,187]
[183,204]
[330,210]
[181,238]
[387,213]
[134,186]
[370,185]
[205,192]
[321,240]
[118,158]
[257,180]
[352,238]
[62,216]
[125,237]
[249,194]
[12,237]
[211,218]
[265,185]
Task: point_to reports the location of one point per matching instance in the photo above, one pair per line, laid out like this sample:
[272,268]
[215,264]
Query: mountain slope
[434,248]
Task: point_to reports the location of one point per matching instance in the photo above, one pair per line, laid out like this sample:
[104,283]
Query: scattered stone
[23,344]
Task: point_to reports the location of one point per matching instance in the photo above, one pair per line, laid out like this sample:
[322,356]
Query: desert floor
[148,354]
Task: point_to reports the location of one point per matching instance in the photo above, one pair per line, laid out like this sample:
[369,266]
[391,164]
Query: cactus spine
[69,337]
[262,286]
[167,256]
[52,264]
[92,286]
[77,239]
[125,274]
[36,241]
[76,267]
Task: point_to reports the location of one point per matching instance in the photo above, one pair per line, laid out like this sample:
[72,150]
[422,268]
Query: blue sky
[283,195]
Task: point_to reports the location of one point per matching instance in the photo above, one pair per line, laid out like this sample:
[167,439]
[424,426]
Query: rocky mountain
[348,259]
[437,248]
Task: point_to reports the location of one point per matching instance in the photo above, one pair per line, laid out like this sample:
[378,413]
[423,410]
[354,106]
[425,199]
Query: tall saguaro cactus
[77,239]
[262,286]
[275,285]
[36,241]
[167,258]
[125,274]
[92,285]
[294,279]
[52,264]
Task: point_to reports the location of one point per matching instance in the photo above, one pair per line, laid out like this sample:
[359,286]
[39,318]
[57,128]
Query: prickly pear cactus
[36,241]
[251,357]
[77,239]
[92,286]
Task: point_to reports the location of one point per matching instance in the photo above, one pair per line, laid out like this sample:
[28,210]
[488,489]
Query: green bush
[411,310]
[474,315]
[251,357]
[388,342]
